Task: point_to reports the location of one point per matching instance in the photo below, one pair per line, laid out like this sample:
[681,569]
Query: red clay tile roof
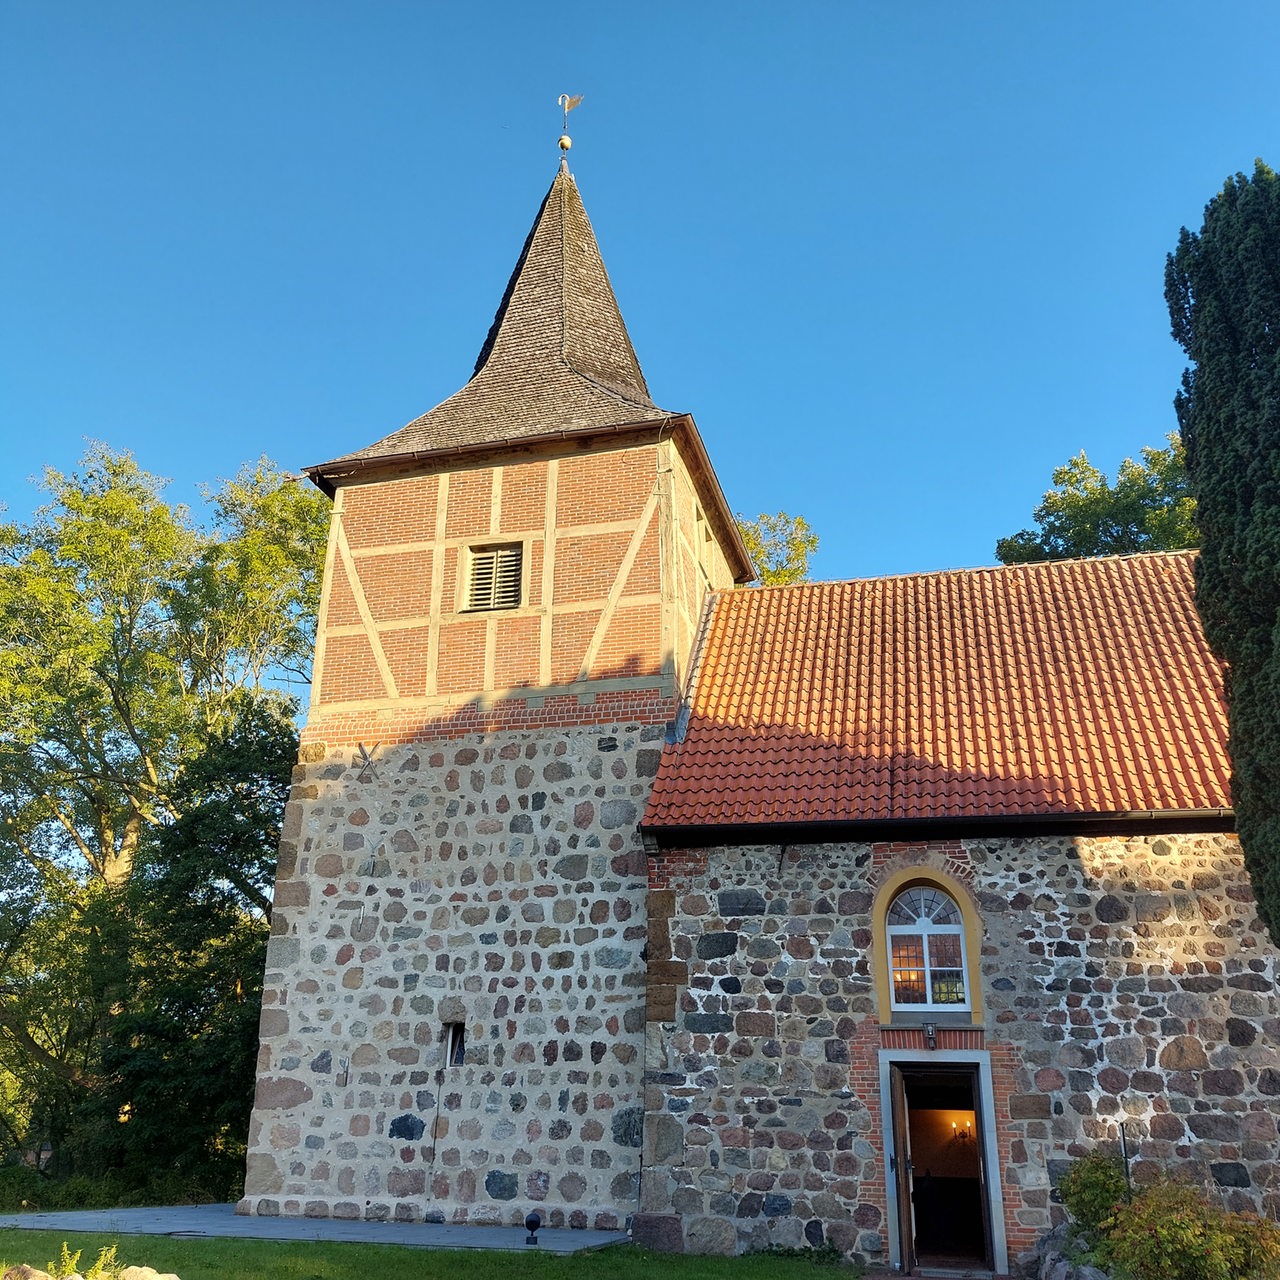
[558,357]
[1078,688]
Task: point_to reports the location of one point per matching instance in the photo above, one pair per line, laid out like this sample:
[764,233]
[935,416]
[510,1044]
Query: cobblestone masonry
[497,882]
[1123,979]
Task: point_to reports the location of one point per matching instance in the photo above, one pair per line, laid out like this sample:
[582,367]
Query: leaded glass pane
[947,986]
[942,910]
[944,950]
[923,902]
[908,970]
[899,912]
[925,935]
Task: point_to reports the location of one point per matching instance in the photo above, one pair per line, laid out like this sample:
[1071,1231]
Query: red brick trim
[675,868]
[947,1038]
[953,855]
[1006,1066]
[864,1082]
[400,725]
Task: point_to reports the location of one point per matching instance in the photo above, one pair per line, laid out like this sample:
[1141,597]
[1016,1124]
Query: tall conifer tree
[1222,285]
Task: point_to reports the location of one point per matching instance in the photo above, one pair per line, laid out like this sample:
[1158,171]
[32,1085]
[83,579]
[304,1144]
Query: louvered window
[495,577]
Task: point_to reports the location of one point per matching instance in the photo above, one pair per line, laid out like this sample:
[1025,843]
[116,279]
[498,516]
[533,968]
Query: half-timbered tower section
[453,1022]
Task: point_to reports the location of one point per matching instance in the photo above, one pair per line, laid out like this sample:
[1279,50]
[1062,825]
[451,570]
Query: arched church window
[926,950]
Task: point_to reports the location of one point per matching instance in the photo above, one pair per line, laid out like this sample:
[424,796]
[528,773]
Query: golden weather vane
[568,104]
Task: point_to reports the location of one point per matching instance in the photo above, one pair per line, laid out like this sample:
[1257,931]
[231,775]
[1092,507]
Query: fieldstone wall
[1123,980]
[1142,991]
[753,1133]
[494,881]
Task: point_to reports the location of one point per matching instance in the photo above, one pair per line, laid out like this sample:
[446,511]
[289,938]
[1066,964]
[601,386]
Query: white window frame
[924,928]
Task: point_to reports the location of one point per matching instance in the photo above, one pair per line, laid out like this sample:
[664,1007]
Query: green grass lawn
[222,1259]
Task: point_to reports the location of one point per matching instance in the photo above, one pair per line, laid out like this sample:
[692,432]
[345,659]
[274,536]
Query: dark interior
[949,1212]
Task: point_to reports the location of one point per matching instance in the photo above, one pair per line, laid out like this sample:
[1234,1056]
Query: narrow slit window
[455,1043]
[495,577]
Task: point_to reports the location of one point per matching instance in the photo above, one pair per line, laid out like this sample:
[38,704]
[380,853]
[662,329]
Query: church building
[844,912]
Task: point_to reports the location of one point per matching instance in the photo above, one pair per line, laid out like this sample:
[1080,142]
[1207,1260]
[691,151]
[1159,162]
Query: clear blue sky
[898,259]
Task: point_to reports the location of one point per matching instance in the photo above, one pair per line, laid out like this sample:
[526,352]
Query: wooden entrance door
[900,1168]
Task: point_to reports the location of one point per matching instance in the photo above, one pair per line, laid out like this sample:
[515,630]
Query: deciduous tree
[178,1069]
[780,546]
[131,638]
[1148,508]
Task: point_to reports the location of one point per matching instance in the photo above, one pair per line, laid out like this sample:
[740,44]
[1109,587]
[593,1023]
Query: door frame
[895,1156]
[981,1059]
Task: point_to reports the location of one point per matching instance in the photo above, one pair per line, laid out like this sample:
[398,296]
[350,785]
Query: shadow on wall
[643,698]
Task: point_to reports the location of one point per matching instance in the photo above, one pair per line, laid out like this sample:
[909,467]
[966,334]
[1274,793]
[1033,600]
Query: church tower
[453,1013]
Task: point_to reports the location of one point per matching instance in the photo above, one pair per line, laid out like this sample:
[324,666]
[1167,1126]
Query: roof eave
[326,476]
[1154,821]
[735,549]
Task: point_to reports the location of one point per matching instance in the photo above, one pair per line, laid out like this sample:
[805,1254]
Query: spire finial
[566,142]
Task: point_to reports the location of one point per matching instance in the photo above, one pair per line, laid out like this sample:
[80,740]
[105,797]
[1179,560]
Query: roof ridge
[957,570]
[611,391]
[491,338]
[564,311]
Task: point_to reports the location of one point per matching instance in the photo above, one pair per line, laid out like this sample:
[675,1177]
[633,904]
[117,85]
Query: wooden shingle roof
[557,359]
[1076,690]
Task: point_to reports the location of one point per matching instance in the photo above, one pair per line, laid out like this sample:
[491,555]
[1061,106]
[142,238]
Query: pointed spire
[557,357]
[559,304]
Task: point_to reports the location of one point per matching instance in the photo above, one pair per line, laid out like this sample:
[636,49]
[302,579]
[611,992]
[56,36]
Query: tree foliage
[779,546]
[1173,1231]
[1148,508]
[135,647]
[1222,285]
[178,1064]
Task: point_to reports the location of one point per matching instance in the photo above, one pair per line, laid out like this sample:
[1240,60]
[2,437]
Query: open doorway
[939,1164]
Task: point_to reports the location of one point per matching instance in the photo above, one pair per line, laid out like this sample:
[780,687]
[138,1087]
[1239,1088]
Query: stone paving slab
[194,1221]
